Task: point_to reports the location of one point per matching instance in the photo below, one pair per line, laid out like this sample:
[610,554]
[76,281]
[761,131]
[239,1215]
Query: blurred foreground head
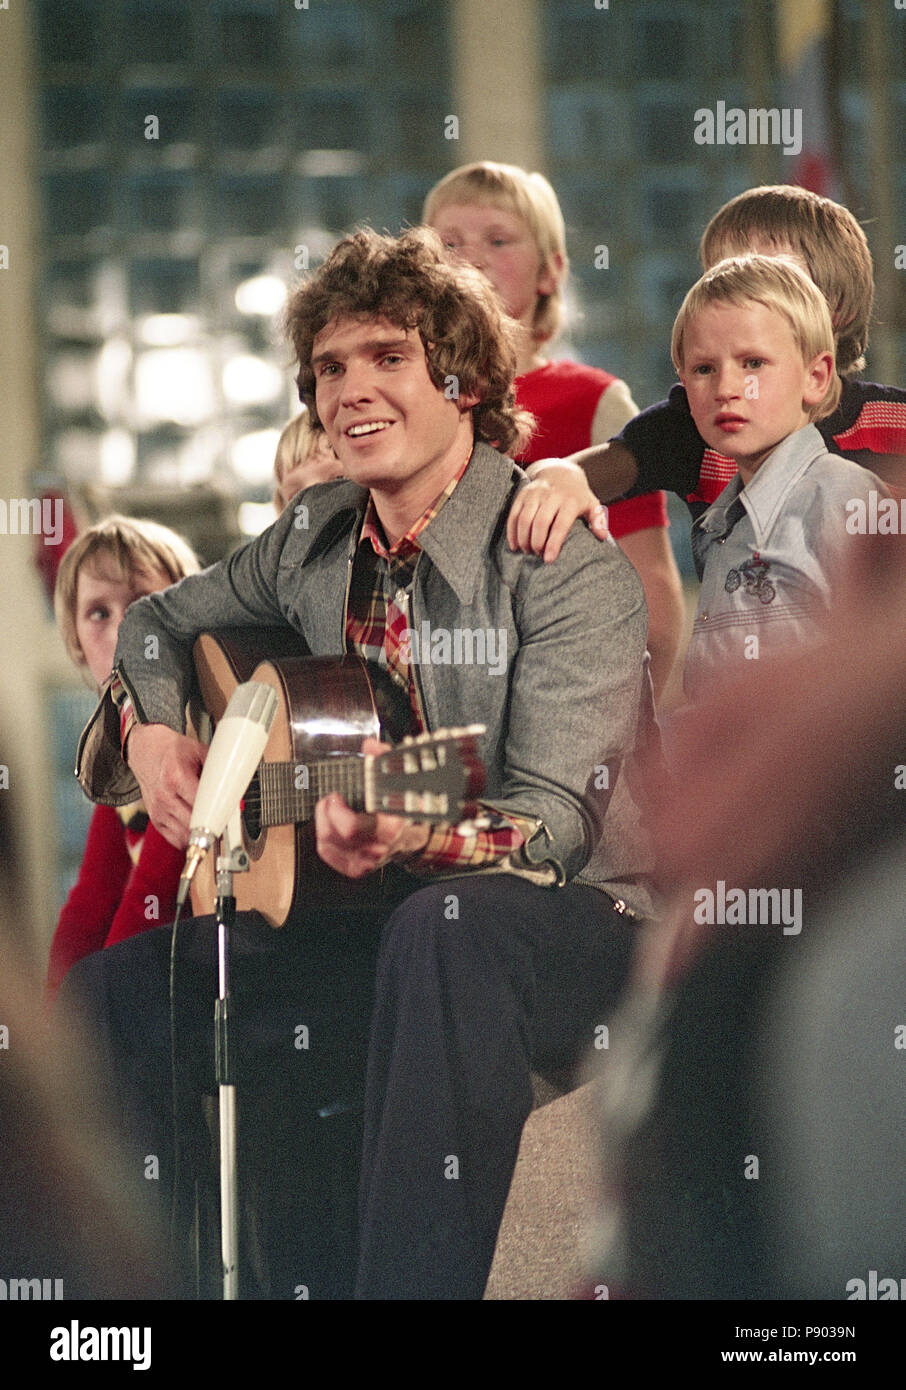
[68,1211]
[754,1119]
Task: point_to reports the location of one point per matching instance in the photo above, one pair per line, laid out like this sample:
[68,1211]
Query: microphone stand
[233,859]
[233,754]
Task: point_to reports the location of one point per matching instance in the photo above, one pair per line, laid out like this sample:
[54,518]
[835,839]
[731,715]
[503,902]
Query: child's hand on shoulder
[546,508]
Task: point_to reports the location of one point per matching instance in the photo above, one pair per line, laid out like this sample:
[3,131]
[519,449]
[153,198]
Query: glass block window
[621,89]
[858,139]
[193,160]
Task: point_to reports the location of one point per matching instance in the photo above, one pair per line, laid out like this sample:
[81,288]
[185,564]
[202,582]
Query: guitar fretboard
[286,792]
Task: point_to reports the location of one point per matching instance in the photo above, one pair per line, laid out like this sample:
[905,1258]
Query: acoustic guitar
[326,707]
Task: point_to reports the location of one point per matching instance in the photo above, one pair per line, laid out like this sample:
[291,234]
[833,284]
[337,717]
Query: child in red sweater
[508,223]
[129,874]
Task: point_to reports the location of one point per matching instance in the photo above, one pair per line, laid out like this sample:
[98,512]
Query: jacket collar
[461,532]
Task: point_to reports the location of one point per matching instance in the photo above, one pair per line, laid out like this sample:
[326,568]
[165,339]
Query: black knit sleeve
[666,446]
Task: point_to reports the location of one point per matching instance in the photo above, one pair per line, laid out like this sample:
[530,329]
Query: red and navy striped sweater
[868,426]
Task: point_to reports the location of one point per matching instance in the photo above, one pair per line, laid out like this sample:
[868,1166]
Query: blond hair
[135,546]
[827,237]
[295,442]
[513,189]
[779,284]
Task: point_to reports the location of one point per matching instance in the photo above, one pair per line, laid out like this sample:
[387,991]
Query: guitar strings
[273,797]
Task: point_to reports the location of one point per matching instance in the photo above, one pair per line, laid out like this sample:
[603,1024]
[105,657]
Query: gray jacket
[564,698]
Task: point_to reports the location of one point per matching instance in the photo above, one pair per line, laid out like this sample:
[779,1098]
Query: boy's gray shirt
[770,554]
[563,717]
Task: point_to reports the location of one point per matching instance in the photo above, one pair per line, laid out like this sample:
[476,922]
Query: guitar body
[326,707]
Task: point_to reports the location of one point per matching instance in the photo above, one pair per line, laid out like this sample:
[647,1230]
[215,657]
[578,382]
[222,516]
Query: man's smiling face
[391,428]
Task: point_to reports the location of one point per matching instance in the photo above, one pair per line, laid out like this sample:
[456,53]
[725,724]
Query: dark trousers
[478,979]
[302,1000]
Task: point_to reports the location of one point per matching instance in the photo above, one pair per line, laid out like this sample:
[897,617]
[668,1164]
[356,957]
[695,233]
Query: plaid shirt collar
[464,528]
[407,548]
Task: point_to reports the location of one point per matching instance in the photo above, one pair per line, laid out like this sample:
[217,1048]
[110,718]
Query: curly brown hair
[409,281]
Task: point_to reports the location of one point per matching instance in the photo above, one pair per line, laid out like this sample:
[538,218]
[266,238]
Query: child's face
[102,596]
[747,384]
[501,245]
[318,464]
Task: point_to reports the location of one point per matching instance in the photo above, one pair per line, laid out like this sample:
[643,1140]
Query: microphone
[236,749]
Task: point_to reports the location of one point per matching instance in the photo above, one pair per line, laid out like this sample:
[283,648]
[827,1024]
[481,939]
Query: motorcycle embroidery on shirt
[754,575]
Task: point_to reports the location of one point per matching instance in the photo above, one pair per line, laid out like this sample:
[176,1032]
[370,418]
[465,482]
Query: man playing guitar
[509,939]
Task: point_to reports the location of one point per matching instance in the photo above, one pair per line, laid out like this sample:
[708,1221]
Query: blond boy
[753,345]
[662,448]
[303,457]
[129,874]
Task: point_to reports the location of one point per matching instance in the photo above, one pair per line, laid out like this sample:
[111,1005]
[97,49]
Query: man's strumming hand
[167,766]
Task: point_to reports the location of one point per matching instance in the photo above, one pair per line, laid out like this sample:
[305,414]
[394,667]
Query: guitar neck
[288,792]
[432,777]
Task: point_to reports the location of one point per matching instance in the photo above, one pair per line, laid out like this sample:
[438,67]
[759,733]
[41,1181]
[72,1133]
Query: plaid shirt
[128,719]
[376,619]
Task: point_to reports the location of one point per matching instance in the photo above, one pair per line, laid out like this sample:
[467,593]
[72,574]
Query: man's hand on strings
[356,844]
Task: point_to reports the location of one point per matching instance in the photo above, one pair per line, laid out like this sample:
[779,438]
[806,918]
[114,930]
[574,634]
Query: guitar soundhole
[251,809]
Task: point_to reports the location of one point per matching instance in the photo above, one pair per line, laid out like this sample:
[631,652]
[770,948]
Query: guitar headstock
[432,777]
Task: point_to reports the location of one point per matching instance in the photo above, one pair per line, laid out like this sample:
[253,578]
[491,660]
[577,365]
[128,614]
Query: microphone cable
[179,1106]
